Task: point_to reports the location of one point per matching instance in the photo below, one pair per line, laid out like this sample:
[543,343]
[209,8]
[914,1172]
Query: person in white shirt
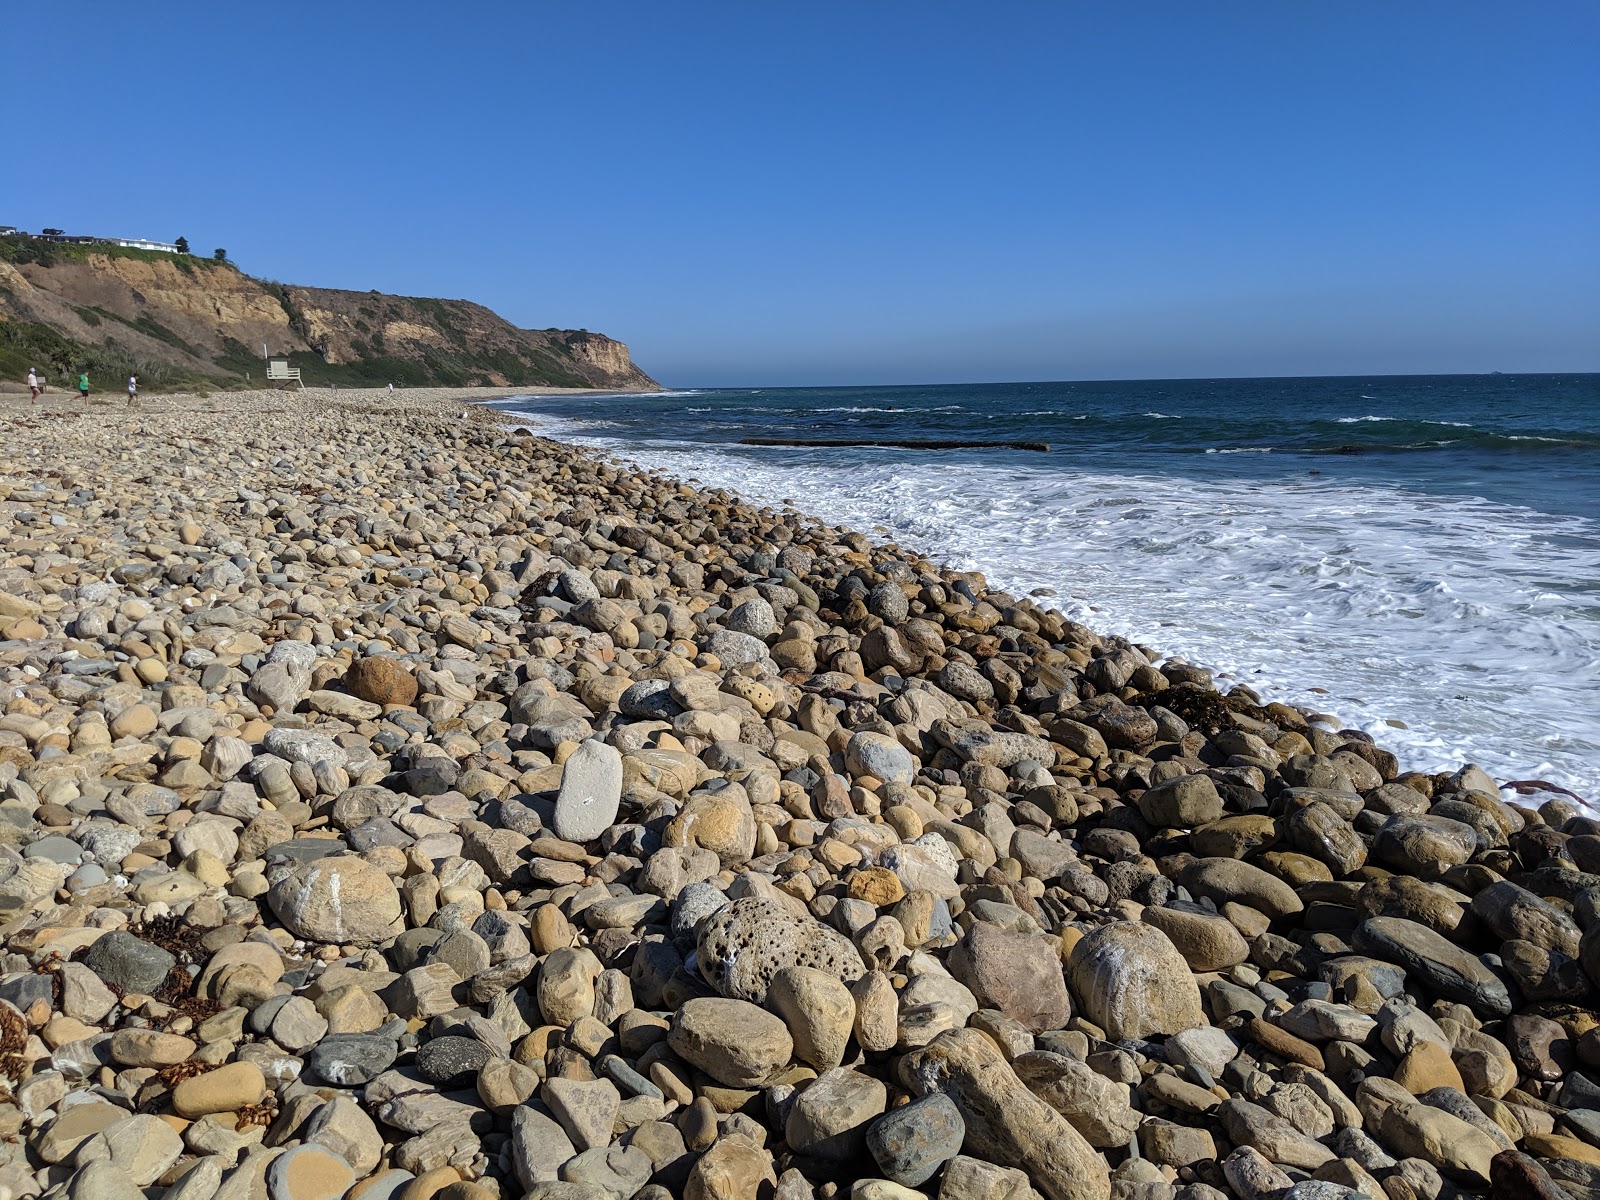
[133,389]
[34,386]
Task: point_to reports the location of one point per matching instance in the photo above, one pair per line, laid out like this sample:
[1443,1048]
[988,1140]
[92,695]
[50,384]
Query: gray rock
[129,963]
[305,746]
[1181,803]
[539,1146]
[1426,845]
[591,792]
[1434,961]
[879,755]
[912,1142]
[350,1059]
[744,945]
[734,649]
[754,617]
[1516,914]
[451,1061]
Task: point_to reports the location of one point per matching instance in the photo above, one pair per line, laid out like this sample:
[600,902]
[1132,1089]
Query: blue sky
[866,190]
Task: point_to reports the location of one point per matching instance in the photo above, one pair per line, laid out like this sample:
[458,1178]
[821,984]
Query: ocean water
[1418,555]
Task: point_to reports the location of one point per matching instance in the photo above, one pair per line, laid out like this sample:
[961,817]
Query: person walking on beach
[83,385]
[34,386]
[133,390]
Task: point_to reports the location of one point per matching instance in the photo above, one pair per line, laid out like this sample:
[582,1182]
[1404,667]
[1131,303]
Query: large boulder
[1133,983]
[1017,973]
[744,946]
[342,900]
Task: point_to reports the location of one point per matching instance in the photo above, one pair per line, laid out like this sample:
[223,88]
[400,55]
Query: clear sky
[862,191]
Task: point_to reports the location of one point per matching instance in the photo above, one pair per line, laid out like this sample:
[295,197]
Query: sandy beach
[400,804]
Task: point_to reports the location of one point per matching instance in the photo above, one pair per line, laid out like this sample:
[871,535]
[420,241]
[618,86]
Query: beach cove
[393,794]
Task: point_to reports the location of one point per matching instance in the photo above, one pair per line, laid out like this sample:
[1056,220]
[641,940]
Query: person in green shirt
[83,385]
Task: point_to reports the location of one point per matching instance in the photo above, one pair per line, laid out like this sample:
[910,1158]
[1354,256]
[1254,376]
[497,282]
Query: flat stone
[227,1089]
[1435,961]
[1225,879]
[591,792]
[829,1119]
[75,1126]
[142,1147]
[1095,1105]
[1005,1121]
[587,1110]
[350,1059]
[309,1173]
[452,1061]
[1019,974]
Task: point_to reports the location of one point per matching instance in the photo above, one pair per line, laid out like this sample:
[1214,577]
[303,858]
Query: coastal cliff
[178,319]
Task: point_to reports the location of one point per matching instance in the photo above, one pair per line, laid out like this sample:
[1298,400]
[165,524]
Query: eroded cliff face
[210,320]
[355,327]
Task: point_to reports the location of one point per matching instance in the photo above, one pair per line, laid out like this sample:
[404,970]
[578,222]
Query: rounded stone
[381,680]
[309,1173]
[880,756]
[1181,803]
[342,899]
[1132,982]
[452,1061]
[754,617]
[820,1013]
[149,1048]
[1208,942]
[912,1142]
[591,792]
[227,1089]
[734,1042]
[829,1119]
[128,962]
[1225,879]
[743,946]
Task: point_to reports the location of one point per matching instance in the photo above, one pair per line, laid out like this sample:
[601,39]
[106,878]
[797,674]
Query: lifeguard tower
[279,370]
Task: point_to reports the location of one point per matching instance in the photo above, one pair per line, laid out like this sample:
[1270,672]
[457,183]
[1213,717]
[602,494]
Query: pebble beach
[397,804]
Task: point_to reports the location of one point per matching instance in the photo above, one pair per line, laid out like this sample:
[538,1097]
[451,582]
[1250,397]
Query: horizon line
[1129,379]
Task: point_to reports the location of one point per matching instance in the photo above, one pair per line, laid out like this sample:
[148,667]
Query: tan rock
[1132,982]
[309,1173]
[1427,1066]
[1448,1142]
[733,1041]
[1006,1122]
[227,1089]
[149,1048]
[819,1011]
[342,899]
[732,1169]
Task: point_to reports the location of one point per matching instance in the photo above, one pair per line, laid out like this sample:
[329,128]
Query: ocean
[1418,555]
